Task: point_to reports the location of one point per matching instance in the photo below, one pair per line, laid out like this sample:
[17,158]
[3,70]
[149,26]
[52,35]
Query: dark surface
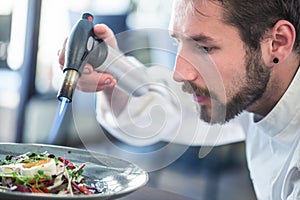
[148,193]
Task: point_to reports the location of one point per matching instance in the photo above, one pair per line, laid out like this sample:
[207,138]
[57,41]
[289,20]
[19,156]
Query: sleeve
[291,184]
[166,113]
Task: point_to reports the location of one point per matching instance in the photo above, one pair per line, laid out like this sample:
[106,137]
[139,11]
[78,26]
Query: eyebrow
[198,38]
[202,38]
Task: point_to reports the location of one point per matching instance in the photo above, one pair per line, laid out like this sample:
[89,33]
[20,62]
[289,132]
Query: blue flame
[60,113]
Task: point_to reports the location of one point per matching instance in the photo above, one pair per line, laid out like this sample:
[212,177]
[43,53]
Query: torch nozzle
[69,84]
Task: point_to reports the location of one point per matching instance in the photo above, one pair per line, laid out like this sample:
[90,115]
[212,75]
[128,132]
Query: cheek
[233,75]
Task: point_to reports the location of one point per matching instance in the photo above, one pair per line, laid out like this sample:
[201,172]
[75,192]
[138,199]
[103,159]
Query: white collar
[284,111]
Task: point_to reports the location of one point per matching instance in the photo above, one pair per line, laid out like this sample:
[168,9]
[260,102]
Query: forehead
[191,16]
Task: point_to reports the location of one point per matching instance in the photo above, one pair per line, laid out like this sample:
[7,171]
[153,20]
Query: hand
[91,80]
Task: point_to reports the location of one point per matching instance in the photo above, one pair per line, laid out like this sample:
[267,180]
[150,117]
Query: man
[254,48]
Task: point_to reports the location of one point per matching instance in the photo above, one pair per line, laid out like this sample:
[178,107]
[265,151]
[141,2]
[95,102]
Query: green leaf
[40,172]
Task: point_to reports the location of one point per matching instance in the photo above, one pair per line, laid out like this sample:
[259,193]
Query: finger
[88,69]
[95,88]
[95,81]
[103,32]
[61,56]
[96,78]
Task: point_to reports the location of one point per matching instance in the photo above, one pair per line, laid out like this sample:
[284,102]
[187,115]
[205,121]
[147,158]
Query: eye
[206,49]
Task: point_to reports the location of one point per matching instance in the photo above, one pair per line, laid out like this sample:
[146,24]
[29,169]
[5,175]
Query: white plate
[120,177]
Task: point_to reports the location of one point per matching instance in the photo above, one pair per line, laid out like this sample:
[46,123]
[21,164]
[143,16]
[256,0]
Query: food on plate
[43,173]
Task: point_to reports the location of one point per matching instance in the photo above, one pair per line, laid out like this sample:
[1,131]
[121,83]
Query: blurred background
[32,32]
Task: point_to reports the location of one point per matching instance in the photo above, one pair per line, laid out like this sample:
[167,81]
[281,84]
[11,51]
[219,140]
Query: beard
[249,91]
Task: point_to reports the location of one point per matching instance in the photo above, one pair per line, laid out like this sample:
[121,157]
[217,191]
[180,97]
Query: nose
[184,71]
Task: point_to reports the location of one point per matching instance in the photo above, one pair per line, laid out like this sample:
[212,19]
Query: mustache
[191,88]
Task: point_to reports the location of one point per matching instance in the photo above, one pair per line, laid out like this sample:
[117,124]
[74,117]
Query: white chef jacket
[273,148]
[169,115]
[272,144]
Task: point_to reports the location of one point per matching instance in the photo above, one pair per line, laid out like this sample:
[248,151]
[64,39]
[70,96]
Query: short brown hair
[254,17]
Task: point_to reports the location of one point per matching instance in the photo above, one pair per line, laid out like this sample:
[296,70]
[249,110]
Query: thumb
[103,32]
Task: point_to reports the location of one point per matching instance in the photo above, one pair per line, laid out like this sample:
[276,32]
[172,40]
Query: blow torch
[83,47]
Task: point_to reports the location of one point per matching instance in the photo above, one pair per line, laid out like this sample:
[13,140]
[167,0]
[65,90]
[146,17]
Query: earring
[275,60]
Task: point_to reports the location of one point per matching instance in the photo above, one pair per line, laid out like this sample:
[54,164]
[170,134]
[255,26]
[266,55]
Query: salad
[43,173]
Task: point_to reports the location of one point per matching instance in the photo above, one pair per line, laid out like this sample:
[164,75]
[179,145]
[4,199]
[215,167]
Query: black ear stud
[275,60]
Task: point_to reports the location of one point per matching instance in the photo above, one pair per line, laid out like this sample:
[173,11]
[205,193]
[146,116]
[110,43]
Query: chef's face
[223,74]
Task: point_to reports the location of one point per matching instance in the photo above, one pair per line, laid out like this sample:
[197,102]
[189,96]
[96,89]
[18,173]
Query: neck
[281,77]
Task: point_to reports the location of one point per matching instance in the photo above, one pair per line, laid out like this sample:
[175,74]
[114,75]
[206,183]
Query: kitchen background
[32,32]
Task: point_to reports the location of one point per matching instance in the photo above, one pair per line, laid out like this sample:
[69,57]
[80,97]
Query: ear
[279,43]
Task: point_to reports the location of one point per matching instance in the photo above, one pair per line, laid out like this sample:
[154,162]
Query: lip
[201,99]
